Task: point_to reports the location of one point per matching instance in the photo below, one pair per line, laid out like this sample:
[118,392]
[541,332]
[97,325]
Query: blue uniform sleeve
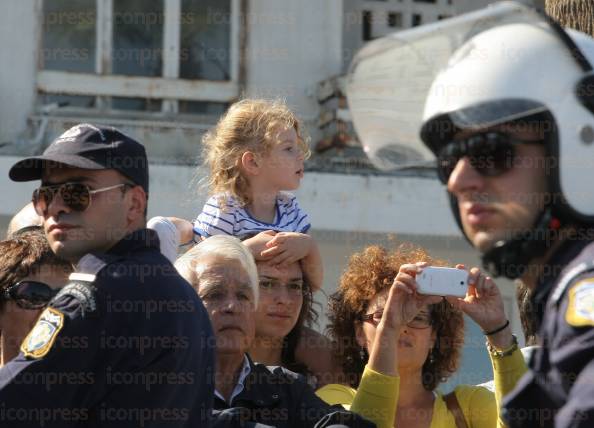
[131,347]
[572,350]
[578,412]
[214,220]
[56,377]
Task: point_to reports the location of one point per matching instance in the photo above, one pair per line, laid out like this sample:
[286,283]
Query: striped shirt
[235,220]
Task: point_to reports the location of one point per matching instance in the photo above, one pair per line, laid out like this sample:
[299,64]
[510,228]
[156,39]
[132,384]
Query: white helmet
[514,71]
[481,69]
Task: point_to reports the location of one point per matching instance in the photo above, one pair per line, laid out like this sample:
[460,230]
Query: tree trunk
[576,14]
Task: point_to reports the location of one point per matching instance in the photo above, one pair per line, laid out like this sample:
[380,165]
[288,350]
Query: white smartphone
[442,281]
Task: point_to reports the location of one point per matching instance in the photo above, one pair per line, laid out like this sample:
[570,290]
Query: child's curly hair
[369,273]
[248,125]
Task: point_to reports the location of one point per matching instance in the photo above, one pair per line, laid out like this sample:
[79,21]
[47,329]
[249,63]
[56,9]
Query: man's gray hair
[224,246]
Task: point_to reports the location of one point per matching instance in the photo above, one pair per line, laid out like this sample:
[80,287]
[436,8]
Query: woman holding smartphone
[396,345]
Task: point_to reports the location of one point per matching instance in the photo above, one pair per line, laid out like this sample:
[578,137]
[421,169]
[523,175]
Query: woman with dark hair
[395,345]
[30,274]
[285,309]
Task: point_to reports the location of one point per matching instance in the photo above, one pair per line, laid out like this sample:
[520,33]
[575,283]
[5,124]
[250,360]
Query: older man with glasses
[126,342]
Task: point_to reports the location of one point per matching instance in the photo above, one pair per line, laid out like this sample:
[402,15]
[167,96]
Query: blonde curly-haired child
[255,155]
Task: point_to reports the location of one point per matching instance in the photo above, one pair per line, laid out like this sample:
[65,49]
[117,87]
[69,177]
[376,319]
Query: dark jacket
[126,343]
[558,391]
[275,396]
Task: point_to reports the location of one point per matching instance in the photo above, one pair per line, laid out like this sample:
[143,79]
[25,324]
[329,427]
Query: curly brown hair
[368,273]
[25,254]
[248,125]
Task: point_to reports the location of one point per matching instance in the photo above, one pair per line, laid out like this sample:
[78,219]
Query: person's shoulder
[121,274]
[472,395]
[277,371]
[579,311]
[588,250]
[225,201]
[279,375]
[478,404]
[335,393]
[285,197]
[574,289]
[95,263]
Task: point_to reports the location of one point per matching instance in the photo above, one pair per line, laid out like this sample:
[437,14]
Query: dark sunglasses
[490,154]
[29,294]
[76,196]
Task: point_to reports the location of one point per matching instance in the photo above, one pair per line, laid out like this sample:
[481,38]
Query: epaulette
[92,264]
[80,287]
[81,284]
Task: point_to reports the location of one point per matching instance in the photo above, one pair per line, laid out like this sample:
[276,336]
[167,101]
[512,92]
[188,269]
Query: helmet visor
[391,78]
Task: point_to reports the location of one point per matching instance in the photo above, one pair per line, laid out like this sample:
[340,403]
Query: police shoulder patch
[580,307]
[81,289]
[40,340]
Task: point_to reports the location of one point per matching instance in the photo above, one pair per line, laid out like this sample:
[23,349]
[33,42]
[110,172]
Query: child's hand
[287,248]
[257,244]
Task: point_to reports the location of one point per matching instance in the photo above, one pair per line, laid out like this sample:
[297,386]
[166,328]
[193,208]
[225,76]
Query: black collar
[559,262]
[138,240]
[261,388]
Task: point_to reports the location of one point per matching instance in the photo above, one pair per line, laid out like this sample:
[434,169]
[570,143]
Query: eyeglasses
[29,294]
[76,196]
[269,286]
[420,321]
[490,154]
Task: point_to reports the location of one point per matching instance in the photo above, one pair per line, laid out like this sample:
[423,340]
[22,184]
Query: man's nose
[464,178]
[57,206]
[231,305]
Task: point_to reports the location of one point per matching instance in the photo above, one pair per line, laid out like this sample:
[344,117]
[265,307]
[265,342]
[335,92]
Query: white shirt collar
[245,371]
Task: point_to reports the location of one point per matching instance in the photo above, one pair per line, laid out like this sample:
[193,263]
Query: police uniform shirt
[126,343]
[559,389]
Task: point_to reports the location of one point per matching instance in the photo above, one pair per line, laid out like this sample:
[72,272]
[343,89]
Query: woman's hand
[403,302]
[402,305]
[484,305]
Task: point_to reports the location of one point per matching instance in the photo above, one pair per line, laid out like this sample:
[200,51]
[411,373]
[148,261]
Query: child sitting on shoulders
[256,154]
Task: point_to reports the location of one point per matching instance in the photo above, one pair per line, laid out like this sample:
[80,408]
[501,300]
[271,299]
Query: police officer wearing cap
[127,342]
[503,98]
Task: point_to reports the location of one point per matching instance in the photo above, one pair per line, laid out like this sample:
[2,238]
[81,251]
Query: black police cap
[89,146]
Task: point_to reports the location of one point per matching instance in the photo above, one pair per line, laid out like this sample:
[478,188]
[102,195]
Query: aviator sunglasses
[29,294]
[76,196]
[491,154]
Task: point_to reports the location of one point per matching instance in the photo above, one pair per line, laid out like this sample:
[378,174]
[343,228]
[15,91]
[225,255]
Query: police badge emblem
[580,309]
[41,338]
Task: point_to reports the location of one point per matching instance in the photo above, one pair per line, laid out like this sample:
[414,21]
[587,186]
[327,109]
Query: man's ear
[137,206]
[250,163]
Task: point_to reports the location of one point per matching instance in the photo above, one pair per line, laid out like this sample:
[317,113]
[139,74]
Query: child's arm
[289,247]
[257,244]
[312,266]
